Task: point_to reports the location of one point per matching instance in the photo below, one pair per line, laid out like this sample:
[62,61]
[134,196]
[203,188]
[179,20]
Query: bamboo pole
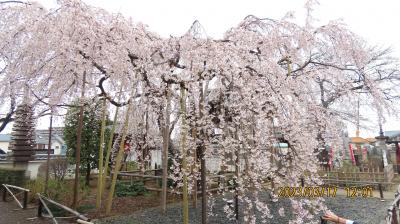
[237,172]
[203,171]
[165,150]
[101,157]
[118,162]
[46,186]
[193,167]
[78,146]
[185,202]
[109,147]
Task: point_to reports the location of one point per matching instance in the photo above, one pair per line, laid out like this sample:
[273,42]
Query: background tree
[90,136]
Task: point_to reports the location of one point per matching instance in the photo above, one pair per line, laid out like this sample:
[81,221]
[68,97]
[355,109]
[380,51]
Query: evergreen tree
[90,136]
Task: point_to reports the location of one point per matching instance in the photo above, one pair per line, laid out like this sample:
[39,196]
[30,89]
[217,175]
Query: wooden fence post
[25,203]
[4,193]
[40,209]
[380,191]
[394,215]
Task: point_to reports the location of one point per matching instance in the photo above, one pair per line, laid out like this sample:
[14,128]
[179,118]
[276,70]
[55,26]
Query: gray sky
[375,21]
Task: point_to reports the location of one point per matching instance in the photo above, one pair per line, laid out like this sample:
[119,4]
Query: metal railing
[7,189]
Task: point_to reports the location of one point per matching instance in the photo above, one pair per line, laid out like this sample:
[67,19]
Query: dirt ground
[125,205]
[12,214]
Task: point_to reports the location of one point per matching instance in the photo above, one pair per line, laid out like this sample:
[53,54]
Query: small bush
[59,191]
[58,168]
[12,176]
[131,165]
[126,190]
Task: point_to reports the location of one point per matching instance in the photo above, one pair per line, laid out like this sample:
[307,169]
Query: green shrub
[59,191]
[126,190]
[36,186]
[12,176]
[131,165]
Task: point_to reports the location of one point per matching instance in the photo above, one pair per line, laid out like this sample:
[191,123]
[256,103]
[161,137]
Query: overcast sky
[375,21]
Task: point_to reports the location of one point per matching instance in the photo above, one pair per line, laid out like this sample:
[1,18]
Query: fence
[7,189]
[4,157]
[393,211]
[215,182]
[354,176]
[42,204]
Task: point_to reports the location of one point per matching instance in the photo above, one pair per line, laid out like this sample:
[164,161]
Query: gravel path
[366,210]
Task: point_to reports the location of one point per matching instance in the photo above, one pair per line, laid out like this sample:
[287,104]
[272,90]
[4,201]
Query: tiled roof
[358,140]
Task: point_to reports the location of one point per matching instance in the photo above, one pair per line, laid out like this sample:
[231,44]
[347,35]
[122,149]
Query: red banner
[353,160]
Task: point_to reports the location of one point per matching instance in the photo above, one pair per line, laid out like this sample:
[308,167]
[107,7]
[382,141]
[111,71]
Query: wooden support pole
[203,168]
[25,202]
[4,193]
[118,162]
[109,146]
[40,209]
[380,191]
[185,201]
[48,210]
[72,211]
[394,215]
[46,185]
[165,150]
[78,146]
[101,157]
[195,160]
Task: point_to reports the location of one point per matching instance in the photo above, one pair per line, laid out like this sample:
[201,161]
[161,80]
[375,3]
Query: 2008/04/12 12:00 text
[321,191]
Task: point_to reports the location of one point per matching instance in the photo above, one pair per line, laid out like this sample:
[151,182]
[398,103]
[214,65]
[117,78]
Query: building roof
[5,137]
[391,134]
[371,140]
[358,140]
[44,138]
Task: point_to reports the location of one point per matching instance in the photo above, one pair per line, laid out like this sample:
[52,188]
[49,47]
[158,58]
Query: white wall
[4,146]
[31,170]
